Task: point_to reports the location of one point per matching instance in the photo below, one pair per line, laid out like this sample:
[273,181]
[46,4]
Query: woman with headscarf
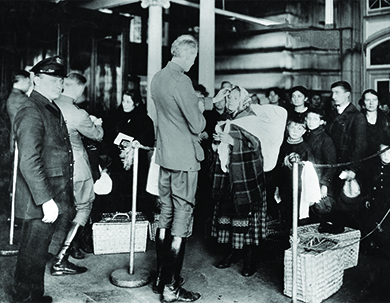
[239,186]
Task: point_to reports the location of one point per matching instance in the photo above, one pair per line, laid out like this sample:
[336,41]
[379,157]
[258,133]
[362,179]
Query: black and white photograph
[216,151]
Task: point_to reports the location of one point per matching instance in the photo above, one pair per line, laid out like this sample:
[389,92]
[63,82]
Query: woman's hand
[224,138]
[324,191]
[347,175]
[203,136]
[221,94]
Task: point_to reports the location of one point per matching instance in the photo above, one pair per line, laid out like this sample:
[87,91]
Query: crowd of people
[233,160]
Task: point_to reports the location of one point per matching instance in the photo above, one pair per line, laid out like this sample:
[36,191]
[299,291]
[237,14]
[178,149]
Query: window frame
[368,56]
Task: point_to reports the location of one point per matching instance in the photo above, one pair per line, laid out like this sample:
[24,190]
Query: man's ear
[36,80]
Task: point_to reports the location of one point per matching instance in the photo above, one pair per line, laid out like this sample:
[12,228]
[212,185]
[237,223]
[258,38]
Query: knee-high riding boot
[172,266]
[74,249]
[61,265]
[162,245]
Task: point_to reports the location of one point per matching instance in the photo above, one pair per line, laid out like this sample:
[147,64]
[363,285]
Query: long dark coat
[349,134]
[45,169]
[324,152]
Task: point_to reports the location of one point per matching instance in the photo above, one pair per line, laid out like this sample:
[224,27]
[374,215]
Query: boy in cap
[324,152]
[292,149]
[44,190]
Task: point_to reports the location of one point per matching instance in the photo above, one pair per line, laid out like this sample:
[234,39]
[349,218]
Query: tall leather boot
[163,243]
[162,246]
[86,243]
[172,266]
[233,257]
[249,267]
[74,249]
[61,265]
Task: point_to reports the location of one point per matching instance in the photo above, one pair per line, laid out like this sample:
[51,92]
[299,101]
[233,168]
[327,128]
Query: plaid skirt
[227,227]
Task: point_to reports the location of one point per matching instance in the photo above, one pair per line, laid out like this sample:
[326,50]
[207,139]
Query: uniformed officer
[44,186]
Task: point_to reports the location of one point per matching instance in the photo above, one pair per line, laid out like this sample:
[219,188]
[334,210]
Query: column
[155,28]
[207,45]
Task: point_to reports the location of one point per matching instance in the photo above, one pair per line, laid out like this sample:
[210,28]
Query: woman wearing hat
[240,210]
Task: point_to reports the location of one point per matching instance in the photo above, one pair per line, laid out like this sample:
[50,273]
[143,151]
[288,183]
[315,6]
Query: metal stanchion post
[12,250]
[123,277]
[295,228]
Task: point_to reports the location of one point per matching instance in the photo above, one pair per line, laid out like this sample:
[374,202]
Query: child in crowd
[294,148]
[376,190]
[324,152]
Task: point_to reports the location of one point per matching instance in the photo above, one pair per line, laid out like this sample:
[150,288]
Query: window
[378,55]
[378,4]
[136,29]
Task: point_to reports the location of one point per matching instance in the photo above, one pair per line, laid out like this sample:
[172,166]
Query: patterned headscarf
[244,96]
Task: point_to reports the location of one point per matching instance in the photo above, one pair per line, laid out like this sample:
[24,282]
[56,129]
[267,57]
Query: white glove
[50,211]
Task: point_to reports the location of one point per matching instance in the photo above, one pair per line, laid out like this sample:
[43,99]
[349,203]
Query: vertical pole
[133,209]
[124,61]
[295,228]
[11,230]
[154,53]
[328,12]
[93,76]
[207,45]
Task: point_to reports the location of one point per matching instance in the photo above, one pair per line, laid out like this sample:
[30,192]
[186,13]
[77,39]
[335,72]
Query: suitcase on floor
[112,234]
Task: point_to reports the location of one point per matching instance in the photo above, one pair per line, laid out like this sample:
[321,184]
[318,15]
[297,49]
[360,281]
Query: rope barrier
[378,225]
[351,162]
[136,144]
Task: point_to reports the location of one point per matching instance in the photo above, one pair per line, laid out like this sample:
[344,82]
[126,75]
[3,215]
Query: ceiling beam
[238,16]
[99,4]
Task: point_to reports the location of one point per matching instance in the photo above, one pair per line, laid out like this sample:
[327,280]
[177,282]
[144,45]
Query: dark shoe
[158,286]
[75,252]
[233,257]
[173,293]
[60,268]
[249,267]
[43,299]
[248,270]
[40,299]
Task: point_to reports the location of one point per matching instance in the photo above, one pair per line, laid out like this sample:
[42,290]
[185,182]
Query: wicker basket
[112,235]
[319,275]
[348,241]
